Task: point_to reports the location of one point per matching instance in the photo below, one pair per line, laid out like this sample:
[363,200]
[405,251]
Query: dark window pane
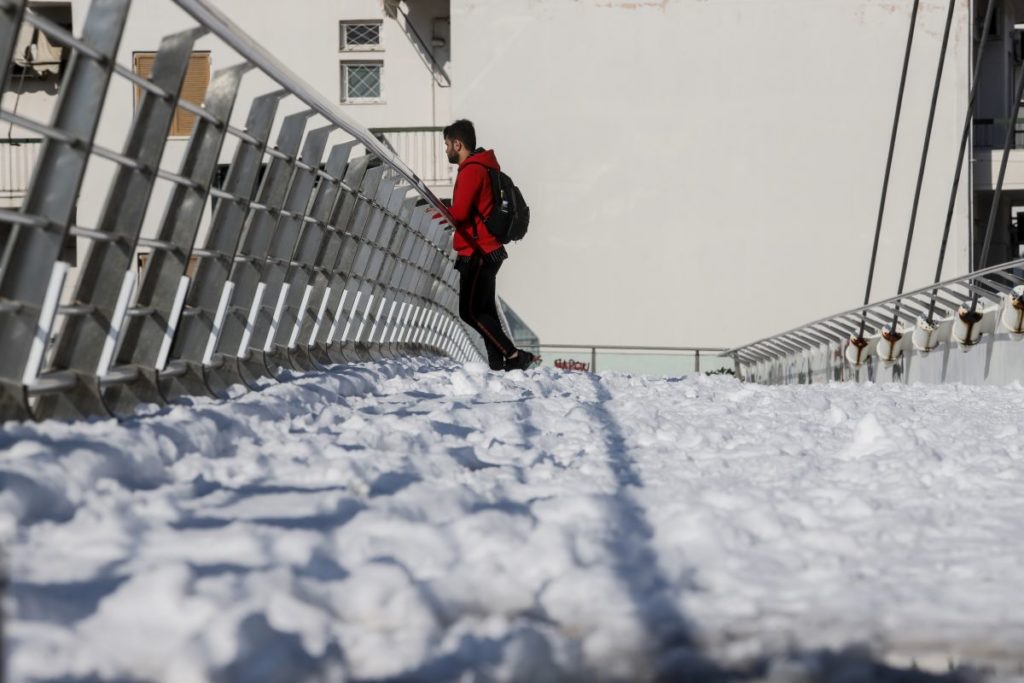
[363,81]
[362,34]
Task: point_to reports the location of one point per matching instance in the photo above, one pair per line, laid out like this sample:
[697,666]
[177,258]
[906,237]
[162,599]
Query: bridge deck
[425,520]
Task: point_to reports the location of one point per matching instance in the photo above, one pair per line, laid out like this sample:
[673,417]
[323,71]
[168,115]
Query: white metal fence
[17,159]
[422,149]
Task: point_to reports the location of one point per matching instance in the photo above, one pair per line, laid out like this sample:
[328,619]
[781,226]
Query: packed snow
[421,521]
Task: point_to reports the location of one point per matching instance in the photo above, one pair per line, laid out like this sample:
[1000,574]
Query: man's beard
[453,158]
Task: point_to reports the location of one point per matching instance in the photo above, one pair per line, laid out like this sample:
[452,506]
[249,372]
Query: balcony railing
[422,148]
[17,159]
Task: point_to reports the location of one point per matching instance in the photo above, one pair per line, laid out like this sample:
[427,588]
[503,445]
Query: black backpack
[510,217]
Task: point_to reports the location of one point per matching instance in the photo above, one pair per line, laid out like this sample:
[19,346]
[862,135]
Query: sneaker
[523,360]
[495,360]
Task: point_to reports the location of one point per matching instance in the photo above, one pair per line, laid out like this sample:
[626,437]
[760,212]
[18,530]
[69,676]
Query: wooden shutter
[143,66]
[197,79]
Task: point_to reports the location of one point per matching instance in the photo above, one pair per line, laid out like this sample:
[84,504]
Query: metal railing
[316,259]
[942,314]
[423,149]
[656,360]
[17,159]
[916,331]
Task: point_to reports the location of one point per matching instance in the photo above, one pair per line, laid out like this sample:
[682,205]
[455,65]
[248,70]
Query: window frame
[343,45]
[343,75]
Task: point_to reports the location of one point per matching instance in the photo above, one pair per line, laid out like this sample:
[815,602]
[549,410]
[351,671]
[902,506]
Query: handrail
[966,281]
[684,349]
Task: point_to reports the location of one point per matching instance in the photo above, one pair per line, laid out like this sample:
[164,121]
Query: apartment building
[1003,63]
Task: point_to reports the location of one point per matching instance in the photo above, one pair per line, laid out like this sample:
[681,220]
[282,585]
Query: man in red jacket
[479,260]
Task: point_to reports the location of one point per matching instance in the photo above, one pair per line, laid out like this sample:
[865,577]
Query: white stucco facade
[708,173]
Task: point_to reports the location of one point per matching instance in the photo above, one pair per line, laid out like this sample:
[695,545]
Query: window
[197,79]
[360,35]
[361,81]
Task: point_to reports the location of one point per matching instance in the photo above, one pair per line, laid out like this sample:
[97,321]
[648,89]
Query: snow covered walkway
[420,521]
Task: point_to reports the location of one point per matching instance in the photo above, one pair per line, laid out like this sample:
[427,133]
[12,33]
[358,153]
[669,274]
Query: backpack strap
[492,175]
[470,239]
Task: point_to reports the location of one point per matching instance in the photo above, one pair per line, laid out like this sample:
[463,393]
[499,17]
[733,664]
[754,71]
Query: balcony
[17,159]
[989,138]
[422,148]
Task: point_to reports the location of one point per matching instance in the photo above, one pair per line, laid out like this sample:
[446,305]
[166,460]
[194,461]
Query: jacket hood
[482,156]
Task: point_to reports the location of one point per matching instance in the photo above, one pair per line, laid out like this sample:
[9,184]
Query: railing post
[387,285]
[341,271]
[405,277]
[383,244]
[396,268]
[421,281]
[696,361]
[198,333]
[165,285]
[237,336]
[438,266]
[28,253]
[387,280]
[87,343]
[277,255]
[359,290]
[314,331]
[311,244]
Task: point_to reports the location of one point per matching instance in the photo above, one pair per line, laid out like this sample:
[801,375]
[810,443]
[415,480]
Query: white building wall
[708,173]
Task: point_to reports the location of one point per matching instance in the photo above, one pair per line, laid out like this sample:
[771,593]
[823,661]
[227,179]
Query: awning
[35,53]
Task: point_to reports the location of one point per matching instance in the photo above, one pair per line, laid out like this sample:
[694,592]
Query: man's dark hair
[463,131]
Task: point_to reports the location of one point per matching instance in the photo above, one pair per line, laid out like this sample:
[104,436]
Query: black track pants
[477,306]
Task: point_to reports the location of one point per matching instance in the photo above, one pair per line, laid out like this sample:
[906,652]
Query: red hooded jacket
[472,201]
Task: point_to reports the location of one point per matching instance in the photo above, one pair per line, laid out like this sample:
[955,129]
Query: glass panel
[650,363]
[362,81]
[362,34]
[714,364]
[647,363]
